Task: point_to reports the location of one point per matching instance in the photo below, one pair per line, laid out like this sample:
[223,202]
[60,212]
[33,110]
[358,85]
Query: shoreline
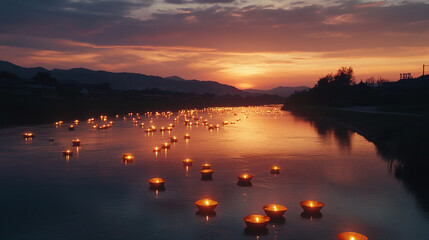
[402,138]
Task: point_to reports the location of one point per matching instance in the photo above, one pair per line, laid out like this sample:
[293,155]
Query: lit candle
[156,183]
[187,136]
[173,139]
[206,205]
[311,206]
[187,162]
[275,170]
[206,166]
[351,236]
[274,210]
[28,135]
[67,153]
[256,221]
[244,178]
[127,157]
[166,145]
[71,127]
[76,142]
[156,149]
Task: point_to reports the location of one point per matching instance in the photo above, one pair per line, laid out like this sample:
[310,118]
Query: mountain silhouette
[126,81]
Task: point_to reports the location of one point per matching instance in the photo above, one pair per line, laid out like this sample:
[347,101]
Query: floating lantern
[169,129]
[76,142]
[156,149]
[166,145]
[173,139]
[225,123]
[162,129]
[76,122]
[275,210]
[142,125]
[171,125]
[94,126]
[67,153]
[127,157]
[256,221]
[187,136]
[206,174]
[311,206]
[244,178]
[148,130]
[28,135]
[156,183]
[206,166]
[275,170]
[217,126]
[351,236]
[153,128]
[210,127]
[206,205]
[71,127]
[187,162]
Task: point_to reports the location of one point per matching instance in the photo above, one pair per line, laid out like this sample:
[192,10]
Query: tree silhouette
[45,78]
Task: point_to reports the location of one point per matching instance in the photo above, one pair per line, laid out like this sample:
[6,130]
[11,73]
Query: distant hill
[126,81]
[280,91]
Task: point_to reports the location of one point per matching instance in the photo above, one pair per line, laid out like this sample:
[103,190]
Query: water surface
[94,195]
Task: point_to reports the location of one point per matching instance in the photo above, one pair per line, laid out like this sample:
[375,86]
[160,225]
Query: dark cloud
[198,1]
[252,28]
[214,1]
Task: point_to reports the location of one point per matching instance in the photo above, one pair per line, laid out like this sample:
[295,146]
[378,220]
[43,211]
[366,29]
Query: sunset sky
[245,43]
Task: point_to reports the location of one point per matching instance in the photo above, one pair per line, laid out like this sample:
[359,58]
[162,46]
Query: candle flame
[311,204]
[257,219]
[207,202]
[275,208]
[352,238]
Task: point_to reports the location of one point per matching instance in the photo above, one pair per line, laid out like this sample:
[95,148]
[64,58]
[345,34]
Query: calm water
[94,195]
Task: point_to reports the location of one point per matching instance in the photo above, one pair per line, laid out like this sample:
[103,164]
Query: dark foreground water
[94,195]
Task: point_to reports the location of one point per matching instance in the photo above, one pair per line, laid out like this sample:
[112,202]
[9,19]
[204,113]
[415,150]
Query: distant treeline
[44,99]
[340,89]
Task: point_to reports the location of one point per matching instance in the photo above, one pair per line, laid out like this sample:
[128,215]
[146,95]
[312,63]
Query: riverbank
[402,138]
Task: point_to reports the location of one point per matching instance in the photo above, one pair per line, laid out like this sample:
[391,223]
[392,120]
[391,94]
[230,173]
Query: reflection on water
[415,179]
[95,195]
